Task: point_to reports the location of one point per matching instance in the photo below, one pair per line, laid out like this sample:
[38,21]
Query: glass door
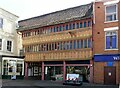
[12,69]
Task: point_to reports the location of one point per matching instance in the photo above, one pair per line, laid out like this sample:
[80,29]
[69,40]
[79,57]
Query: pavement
[48,84]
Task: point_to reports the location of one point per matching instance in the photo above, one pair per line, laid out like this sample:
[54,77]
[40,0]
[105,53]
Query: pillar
[42,70]
[26,70]
[64,70]
[91,71]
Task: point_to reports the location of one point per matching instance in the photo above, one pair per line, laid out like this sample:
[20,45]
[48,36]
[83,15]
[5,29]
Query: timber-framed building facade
[59,43]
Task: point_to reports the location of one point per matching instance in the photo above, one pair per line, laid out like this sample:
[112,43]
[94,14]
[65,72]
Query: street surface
[48,84]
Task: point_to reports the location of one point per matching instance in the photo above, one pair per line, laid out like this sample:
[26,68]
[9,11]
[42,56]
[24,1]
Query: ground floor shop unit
[107,69]
[12,67]
[58,70]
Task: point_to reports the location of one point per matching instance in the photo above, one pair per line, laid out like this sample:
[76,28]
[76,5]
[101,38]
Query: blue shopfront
[107,68]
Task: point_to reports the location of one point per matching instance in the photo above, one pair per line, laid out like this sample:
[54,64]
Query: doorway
[110,75]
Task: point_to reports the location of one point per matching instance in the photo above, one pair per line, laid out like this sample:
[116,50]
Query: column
[91,71]
[42,70]
[26,70]
[64,70]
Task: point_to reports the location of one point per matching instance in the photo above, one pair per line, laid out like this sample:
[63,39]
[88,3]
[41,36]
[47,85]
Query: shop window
[19,68]
[111,40]
[5,67]
[111,13]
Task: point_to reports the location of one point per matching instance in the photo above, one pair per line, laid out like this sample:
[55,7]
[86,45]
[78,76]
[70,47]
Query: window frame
[1,23]
[116,40]
[8,46]
[111,13]
[1,44]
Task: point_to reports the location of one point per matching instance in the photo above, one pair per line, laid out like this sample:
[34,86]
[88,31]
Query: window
[81,25]
[111,13]
[77,25]
[79,43]
[0,44]
[70,44]
[85,43]
[111,40]
[89,43]
[1,22]
[9,45]
[61,28]
[70,25]
[89,23]
[84,24]
[73,26]
[74,44]
[66,27]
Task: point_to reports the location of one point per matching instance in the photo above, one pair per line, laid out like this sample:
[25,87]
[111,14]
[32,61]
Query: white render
[8,32]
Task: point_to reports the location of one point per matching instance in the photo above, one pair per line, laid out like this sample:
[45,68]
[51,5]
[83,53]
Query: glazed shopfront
[58,70]
[12,67]
[107,69]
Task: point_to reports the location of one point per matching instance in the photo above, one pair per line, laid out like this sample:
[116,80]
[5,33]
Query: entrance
[110,75]
[12,69]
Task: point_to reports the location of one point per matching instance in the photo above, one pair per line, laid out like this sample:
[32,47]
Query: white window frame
[1,23]
[116,37]
[1,44]
[11,46]
[111,13]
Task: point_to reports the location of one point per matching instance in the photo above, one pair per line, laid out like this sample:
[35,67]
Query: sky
[30,8]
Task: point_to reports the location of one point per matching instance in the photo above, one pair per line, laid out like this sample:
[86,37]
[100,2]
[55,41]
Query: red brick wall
[98,30]
[99,42]
[99,72]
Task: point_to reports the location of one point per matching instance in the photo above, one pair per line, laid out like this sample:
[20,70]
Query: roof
[62,16]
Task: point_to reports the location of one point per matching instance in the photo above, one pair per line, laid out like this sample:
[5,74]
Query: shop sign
[107,58]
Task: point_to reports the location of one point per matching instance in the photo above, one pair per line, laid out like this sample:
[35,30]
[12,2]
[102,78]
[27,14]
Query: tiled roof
[70,14]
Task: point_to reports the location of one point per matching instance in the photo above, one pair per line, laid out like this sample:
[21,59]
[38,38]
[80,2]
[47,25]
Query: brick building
[106,41]
[59,43]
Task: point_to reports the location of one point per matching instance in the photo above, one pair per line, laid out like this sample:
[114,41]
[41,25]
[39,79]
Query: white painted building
[10,46]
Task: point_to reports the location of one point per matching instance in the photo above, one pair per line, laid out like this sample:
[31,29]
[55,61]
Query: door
[12,69]
[110,75]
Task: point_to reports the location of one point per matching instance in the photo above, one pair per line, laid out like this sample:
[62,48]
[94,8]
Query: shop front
[55,70]
[107,69]
[12,67]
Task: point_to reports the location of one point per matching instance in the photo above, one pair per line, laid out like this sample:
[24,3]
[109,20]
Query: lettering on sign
[116,58]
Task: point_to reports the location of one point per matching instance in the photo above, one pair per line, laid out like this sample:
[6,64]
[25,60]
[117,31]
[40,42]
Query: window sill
[110,49]
[111,21]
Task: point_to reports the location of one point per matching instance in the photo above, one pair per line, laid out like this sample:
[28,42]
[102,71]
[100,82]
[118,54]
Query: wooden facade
[55,42]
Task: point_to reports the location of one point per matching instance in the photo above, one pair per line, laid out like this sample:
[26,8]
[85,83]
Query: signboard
[72,76]
[107,58]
